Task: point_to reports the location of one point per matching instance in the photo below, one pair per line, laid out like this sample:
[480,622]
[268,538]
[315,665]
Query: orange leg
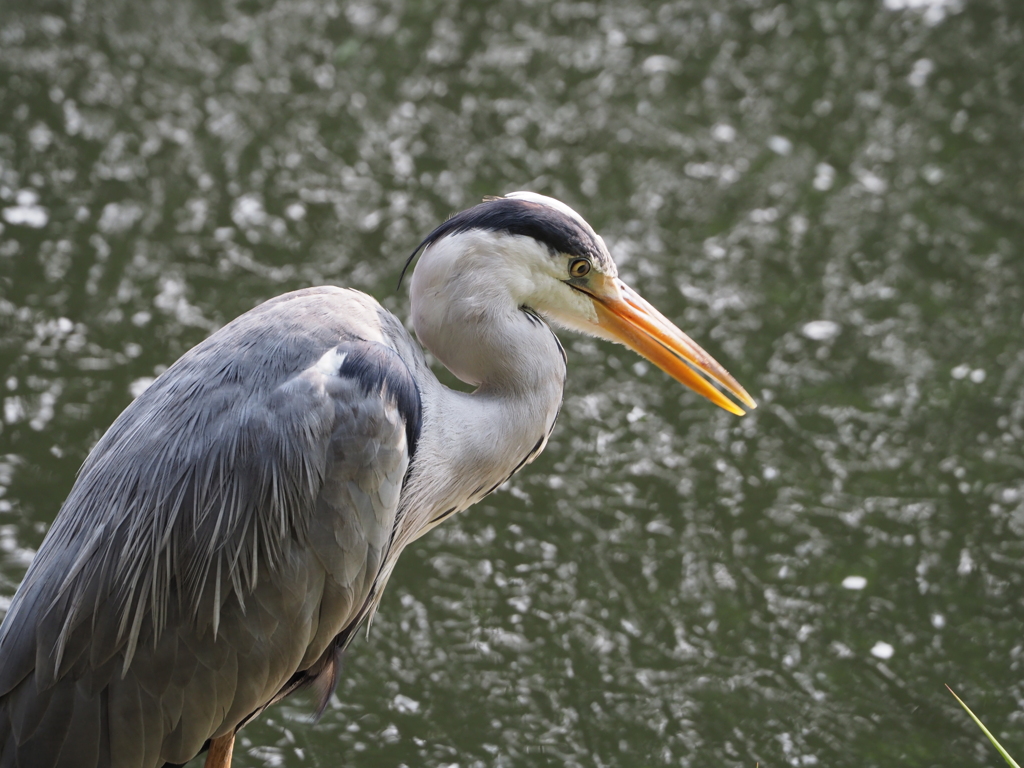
[221,748]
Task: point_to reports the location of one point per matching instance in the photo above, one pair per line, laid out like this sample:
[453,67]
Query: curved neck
[468,309]
[466,313]
[471,443]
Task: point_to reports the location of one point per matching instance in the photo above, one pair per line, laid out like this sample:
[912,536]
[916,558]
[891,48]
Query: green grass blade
[996,744]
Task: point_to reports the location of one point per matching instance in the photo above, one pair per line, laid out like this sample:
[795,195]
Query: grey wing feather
[220,538]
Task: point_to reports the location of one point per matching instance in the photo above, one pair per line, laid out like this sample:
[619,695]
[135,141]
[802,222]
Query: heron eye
[579,268]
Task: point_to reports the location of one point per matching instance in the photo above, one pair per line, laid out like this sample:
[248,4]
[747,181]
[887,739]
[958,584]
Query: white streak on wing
[330,363]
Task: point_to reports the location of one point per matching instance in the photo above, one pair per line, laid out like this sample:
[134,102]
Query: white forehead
[550,202]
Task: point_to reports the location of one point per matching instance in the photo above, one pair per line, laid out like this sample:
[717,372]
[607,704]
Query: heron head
[548,259]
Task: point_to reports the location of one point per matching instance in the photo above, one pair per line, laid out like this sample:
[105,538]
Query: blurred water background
[827,195]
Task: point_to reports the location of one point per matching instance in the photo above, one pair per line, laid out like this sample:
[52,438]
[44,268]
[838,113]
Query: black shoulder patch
[378,368]
[559,232]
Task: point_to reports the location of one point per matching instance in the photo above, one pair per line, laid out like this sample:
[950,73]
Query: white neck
[467,312]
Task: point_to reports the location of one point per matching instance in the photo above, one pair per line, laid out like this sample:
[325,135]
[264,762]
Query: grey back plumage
[147,624]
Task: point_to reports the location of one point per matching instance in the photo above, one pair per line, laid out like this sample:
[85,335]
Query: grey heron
[241,518]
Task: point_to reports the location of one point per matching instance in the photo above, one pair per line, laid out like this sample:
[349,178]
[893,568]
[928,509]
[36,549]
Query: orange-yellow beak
[624,316]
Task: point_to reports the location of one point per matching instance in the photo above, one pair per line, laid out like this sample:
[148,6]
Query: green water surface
[829,196]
